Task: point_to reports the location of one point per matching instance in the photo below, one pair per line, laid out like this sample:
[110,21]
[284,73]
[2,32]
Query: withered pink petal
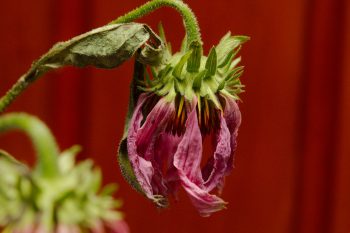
[153,125]
[205,202]
[140,143]
[166,147]
[217,166]
[157,181]
[187,161]
[189,152]
[233,119]
[142,168]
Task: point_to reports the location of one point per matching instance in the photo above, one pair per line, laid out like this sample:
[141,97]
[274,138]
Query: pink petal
[187,160]
[166,147]
[141,142]
[217,166]
[233,119]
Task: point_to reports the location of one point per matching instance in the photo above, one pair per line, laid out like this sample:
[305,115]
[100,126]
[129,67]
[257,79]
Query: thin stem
[190,20]
[44,142]
[25,80]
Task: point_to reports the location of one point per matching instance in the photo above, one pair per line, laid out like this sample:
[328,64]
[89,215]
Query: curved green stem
[44,142]
[190,20]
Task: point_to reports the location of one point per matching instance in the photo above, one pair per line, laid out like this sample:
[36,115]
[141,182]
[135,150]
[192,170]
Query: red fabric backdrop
[292,167]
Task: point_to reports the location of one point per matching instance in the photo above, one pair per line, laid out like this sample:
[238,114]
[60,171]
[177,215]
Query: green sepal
[211,63]
[234,63]
[184,45]
[221,85]
[165,71]
[161,32]
[169,48]
[194,62]
[179,66]
[154,72]
[232,80]
[241,38]
[148,78]
[197,82]
[227,59]
[227,44]
[125,166]
[233,72]
[139,70]
[211,95]
[123,157]
[5,155]
[109,189]
[66,160]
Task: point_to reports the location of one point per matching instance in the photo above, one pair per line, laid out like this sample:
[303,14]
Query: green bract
[191,74]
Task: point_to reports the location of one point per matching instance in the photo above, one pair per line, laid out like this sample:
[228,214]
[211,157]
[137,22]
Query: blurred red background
[292,165]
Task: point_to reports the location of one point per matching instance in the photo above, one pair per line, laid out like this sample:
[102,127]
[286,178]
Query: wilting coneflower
[176,109]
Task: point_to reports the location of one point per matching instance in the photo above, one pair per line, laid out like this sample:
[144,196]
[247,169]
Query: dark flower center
[207,115]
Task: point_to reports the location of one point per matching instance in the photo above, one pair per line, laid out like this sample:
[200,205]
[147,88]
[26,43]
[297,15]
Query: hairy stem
[44,142]
[190,20]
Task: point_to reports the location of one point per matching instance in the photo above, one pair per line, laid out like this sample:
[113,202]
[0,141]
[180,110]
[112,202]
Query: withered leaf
[107,47]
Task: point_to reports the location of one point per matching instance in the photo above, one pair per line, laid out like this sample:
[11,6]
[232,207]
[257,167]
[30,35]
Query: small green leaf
[194,62]
[211,63]
[179,66]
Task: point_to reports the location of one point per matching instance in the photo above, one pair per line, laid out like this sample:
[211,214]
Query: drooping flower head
[176,106]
